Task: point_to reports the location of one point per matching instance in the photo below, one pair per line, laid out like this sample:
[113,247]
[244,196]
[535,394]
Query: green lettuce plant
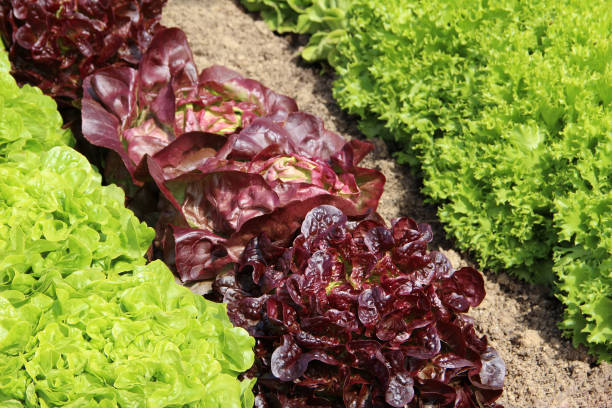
[83,320]
[325,20]
[29,121]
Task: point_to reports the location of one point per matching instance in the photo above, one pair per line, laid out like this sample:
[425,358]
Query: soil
[520,320]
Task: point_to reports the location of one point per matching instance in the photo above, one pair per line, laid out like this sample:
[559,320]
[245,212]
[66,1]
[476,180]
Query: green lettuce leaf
[28,119]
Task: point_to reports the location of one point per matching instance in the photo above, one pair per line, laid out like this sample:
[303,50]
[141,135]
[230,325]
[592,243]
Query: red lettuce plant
[232,157]
[54,44]
[141,112]
[356,314]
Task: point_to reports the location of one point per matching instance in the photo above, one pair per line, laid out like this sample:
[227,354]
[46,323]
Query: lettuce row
[505,109]
[232,157]
[83,320]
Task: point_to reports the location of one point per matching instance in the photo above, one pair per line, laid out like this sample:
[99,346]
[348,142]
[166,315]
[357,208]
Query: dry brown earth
[543,369]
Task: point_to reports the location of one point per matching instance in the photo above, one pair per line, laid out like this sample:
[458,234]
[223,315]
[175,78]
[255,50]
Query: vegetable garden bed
[264,197]
[543,369]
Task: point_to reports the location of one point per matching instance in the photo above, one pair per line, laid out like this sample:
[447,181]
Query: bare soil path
[543,369]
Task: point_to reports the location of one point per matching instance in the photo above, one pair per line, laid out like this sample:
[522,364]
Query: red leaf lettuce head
[356,314]
[54,44]
[141,112]
[232,157]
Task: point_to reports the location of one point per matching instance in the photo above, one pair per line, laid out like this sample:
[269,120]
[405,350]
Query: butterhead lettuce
[83,320]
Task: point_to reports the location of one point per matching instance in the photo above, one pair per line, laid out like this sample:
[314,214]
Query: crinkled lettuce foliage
[324,19]
[29,121]
[583,268]
[83,320]
[467,102]
[231,157]
[505,108]
[356,314]
[54,44]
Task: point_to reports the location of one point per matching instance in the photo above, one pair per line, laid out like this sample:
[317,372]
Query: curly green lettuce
[28,119]
[324,19]
[83,320]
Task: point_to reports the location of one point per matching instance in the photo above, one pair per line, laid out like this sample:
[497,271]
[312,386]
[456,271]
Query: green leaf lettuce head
[506,109]
[29,120]
[324,19]
[83,320]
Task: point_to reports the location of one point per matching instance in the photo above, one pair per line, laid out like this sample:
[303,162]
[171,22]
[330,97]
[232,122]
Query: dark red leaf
[55,44]
[471,284]
[199,253]
[288,362]
[367,312]
[450,360]
[436,392]
[492,371]
[320,219]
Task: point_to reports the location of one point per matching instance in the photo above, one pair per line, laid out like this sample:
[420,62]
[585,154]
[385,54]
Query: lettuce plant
[231,156]
[324,19]
[83,320]
[54,44]
[29,121]
[356,314]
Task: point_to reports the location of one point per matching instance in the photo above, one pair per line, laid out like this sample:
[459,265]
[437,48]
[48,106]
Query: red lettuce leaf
[141,112]
[198,251]
[55,44]
[346,316]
